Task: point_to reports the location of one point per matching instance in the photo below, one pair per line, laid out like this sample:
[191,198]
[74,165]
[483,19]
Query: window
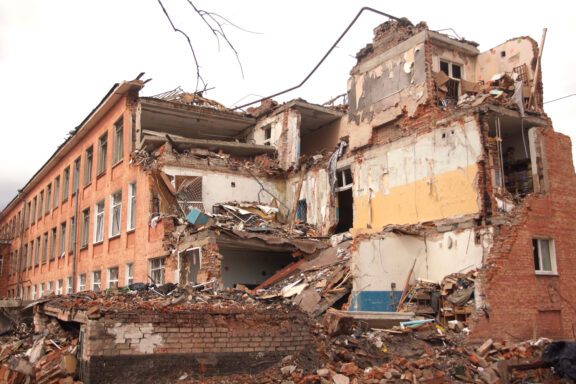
[28,297]
[50,286]
[267,135]
[99,222]
[44,247]
[65,183]
[452,86]
[85,228]
[37,258]
[48,198]
[131,206]
[76,176]
[72,235]
[88,156]
[81,282]
[24,258]
[28,214]
[96,280]
[112,278]
[129,275]
[156,269]
[118,150]
[34,292]
[41,292]
[544,256]
[62,245]
[40,204]
[115,213]
[34,210]
[31,258]
[56,191]
[59,286]
[69,287]
[1,264]
[102,153]
[452,70]
[53,243]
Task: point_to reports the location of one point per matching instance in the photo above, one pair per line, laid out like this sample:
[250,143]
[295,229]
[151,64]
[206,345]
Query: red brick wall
[522,304]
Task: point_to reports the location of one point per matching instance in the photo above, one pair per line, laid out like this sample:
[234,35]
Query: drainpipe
[19,272]
[74,250]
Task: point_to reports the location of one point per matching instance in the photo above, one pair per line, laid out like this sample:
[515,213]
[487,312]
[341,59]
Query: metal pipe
[323,58]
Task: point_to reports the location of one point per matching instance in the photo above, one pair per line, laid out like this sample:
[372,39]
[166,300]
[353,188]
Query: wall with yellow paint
[419,178]
[504,57]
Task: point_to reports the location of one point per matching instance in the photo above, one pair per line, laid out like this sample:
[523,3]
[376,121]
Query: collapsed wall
[120,345]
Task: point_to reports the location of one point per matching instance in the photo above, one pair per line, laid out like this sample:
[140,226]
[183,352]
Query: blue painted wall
[375,301]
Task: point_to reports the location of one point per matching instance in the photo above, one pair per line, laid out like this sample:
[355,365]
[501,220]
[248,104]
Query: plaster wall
[222,188]
[383,88]
[382,265]
[516,52]
[419,178]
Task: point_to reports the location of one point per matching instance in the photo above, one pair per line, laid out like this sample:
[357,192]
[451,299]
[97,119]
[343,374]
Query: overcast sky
[59,58]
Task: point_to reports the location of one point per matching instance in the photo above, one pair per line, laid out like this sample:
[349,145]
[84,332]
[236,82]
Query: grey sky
[58,58]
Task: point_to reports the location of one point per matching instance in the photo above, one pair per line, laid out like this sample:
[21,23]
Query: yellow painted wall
[447,194]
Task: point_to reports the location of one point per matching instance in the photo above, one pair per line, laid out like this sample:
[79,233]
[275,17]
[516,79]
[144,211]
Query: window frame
[129,274]
[99,221]
[115,214]
[56,192]
[65,183]
[81,283]
[85,229]
[88,165]
[69,285]
[96,284]
[118,144]
[59,286]
[52,254]
[62,242]
[102,154]
[76,175]
[161,269]
[109,280]
[131,209]
[537,247]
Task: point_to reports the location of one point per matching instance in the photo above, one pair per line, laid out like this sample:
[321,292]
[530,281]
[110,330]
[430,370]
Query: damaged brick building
[442,162]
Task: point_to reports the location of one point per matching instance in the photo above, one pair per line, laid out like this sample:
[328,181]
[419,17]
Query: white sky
[58,58]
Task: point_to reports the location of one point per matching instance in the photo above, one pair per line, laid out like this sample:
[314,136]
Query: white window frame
[131,222]
[102,154]
[118,144]
[538,248]
[96,281]
[85,229]
[34,289]
[81,282]
[112,282]
[62,242]
[69,285]
[129,274]
[41,291]
[115,219]
[346,184]
[59,286]
[50,286]
[99,221]
[157,265]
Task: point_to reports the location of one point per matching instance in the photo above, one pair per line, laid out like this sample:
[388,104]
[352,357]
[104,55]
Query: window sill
[100,175]
[117,163]
[130,230]
[83,247]
[546,273]
[98,242]
[87,185]
[114,236]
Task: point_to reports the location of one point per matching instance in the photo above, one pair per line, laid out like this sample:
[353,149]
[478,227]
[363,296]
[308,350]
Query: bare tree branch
[215,23]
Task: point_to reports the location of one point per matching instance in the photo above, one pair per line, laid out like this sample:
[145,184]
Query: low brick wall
[140,346]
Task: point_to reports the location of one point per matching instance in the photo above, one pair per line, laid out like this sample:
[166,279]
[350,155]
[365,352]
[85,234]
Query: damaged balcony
[190,121]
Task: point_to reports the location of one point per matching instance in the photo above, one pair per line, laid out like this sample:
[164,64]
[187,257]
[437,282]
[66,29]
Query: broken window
[62,246]
[96,276]
[65,183]
[112,278]
[81,282]
[267,135]
[515,157]
[189,263]
[88,159]
[102,153]
[115,213]
[129,274]
[451,87]
[59,286]
[544,256]
[85,228]
[344,207]
[118,150]
[52,243]
[189,192]
[99,222]
[156,270]
[131,206]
